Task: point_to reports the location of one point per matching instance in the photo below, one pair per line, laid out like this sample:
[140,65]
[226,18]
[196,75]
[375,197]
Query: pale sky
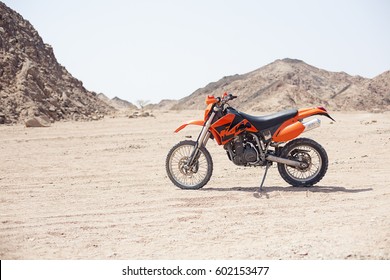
[167,49]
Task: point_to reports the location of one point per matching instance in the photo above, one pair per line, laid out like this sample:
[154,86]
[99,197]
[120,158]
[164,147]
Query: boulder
[37,122]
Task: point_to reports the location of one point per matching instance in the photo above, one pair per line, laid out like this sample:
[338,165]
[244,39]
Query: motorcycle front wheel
[309,152]
[184,176]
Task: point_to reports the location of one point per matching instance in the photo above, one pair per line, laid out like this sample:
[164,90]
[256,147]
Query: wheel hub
[187,170]
[305,160]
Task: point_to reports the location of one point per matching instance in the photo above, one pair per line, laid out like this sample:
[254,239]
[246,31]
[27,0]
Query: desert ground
[99,190]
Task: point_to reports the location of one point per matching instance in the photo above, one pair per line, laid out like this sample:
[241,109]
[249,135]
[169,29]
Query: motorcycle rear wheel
[307,151]
[184,177]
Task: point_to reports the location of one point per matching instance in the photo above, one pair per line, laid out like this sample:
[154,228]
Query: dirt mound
[290,83]
[33,83]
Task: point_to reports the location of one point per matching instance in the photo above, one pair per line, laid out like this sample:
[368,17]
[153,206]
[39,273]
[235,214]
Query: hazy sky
[154,49]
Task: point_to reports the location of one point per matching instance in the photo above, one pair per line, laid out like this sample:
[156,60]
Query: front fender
[197,122]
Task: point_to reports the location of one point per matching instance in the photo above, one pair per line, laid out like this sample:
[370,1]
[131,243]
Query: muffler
[309,125]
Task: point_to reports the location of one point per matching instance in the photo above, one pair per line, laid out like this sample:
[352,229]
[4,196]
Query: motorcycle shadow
[267,190]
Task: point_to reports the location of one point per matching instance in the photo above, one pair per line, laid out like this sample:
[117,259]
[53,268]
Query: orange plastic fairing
[292,128]
[289,132]
[207,111]
[210,99]
[197,122]
[224,129]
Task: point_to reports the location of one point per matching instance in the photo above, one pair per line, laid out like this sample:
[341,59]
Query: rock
[64,96]
[140,115]
[45,119]
[36,122]
[2,119]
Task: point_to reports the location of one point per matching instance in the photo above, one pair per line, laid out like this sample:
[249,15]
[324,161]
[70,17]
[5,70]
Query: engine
[242,150]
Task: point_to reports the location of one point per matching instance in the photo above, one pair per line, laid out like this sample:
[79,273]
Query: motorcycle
[250,141]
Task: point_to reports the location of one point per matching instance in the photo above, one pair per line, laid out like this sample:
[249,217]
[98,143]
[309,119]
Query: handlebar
[219,101]
[227,98]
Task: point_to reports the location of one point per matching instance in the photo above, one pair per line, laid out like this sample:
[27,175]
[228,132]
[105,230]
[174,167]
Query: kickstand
[265,174]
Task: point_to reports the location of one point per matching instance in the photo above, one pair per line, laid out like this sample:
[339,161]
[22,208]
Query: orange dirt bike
[250,141]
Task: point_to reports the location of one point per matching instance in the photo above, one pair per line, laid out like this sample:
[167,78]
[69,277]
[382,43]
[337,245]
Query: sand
[99,190]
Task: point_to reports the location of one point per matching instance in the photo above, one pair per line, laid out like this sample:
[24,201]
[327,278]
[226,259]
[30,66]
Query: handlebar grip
[226,98]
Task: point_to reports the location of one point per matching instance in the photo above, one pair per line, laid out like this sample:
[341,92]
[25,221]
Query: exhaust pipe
[309,125]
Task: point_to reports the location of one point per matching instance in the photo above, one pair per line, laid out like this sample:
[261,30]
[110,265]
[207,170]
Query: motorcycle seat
[268,121]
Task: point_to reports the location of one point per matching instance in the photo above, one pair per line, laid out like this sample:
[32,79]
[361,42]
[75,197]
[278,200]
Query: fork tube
[205,130]
[206,138]
[202,139]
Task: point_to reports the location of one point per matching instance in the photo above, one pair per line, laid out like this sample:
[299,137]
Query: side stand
[265,174]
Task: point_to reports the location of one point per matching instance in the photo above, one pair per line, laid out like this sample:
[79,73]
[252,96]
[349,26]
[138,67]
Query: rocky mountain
[290,83]
[33,83]
[165,104]
[117,102]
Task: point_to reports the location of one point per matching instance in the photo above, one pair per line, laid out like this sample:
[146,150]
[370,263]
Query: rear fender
[308,112]
[196,122]
[293,127]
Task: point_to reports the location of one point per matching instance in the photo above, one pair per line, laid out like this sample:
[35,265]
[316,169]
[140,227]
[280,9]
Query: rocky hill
[33,83]
[165,104]
[117,102]
[290,83]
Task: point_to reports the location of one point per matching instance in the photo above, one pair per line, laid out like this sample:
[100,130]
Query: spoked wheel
[181,174]
[309,152]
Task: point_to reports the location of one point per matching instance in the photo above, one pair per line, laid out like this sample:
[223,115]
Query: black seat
[263,122]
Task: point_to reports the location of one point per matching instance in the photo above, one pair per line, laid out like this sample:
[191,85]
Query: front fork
[203,137]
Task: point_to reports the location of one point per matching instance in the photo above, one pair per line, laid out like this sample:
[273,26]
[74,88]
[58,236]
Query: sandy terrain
[98,190]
